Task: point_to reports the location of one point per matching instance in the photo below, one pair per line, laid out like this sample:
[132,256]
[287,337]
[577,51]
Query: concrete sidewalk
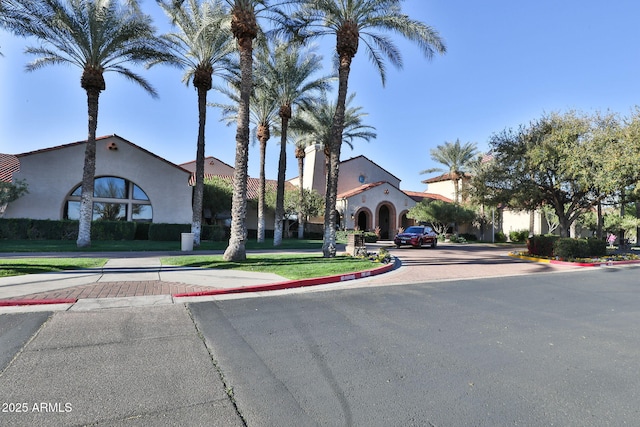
[135,281]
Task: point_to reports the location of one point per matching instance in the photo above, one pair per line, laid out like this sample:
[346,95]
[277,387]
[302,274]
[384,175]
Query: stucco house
[131,184]
[134,184]
[369,197]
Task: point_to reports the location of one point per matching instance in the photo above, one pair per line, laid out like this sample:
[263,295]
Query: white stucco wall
[351,170]
[53,173]
[371,200]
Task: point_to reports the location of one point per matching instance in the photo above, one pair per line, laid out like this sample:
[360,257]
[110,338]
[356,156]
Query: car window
[414,230]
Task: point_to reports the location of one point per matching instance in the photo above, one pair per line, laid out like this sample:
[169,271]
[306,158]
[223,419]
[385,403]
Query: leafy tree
[217,195]
[313,205]
[97,36]
[457,158]
[201,47]
[545,163]
[349,22]
[441,214]
[10,192]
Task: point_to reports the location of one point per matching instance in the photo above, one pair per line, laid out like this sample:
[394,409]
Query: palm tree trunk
[331,196]
[236,250]
[261,187]
[282,166]
[301,217]
[196,218]
[88,172]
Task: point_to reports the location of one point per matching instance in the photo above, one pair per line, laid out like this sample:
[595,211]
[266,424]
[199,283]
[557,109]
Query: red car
[417,236]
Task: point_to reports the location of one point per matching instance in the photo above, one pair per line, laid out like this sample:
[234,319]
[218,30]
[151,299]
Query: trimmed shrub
[142,231]
[469,237]
[541,245]
[519,235]
[113,230]
[500,237]
[168,232]
[597,247]
[568,248]
[214,233]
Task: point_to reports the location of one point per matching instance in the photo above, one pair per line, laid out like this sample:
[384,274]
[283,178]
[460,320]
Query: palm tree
[201,47]
[289,72]
[97,36]
[350,22]
[263,110]
[457,158]
[314,126]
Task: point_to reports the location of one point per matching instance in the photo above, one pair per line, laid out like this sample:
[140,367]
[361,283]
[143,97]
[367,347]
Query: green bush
[113,230]
[519,235]
[142,231]
[168,232]
[369,236]
[470,237]
[500,237]
[568,248]
[541,245]
[214,233]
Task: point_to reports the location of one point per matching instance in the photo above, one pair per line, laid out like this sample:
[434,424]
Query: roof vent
[112,146]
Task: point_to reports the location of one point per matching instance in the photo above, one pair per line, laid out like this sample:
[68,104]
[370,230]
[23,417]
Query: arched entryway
[386,221]
[363,221]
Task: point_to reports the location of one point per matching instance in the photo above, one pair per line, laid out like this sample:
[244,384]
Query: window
[114,199]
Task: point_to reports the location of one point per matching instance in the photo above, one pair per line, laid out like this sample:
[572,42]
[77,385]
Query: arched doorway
[383,221]
[363,221]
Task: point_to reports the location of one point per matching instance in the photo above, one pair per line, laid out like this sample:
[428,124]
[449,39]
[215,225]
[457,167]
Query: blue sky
[508,62]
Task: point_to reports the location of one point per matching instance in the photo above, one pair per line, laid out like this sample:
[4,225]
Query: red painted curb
[596,264]
[13,303]
[291,284]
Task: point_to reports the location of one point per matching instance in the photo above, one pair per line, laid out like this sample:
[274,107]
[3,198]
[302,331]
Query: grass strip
[290,266]
[18,267]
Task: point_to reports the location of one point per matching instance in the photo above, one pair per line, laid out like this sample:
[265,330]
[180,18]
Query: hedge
[566,248]
[518,235]
[541,245]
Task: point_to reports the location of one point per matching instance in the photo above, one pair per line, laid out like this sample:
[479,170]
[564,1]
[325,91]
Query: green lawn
[291,266]
[17,267]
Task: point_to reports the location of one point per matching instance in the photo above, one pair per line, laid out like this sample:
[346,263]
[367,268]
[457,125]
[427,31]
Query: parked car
[417,236]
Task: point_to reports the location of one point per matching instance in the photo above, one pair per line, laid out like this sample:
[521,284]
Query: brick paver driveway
[458,261]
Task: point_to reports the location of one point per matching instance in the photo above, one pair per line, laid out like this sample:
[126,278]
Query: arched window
[114,199]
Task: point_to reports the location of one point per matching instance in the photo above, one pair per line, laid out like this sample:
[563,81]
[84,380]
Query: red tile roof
[419,196]
[253,184]
[359,190]
[444,177]
[8,165]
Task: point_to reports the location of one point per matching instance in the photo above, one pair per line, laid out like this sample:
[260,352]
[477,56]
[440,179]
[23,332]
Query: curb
[291,284]
[576,264]
[13,303]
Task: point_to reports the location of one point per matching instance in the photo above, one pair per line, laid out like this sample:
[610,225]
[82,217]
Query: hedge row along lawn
[290,266]
[143,245]
[18,267]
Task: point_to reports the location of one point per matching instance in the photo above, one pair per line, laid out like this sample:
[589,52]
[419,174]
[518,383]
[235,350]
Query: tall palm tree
[350,22]
[263,111]
[458,159]
[314,126]
[97,36]
[201,47]
[289,73]
[245,28]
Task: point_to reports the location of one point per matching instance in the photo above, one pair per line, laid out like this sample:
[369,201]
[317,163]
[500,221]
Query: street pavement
[145,360]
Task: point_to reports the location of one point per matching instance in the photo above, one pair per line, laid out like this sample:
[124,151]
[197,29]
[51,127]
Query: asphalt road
[557,349]
[534,349]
